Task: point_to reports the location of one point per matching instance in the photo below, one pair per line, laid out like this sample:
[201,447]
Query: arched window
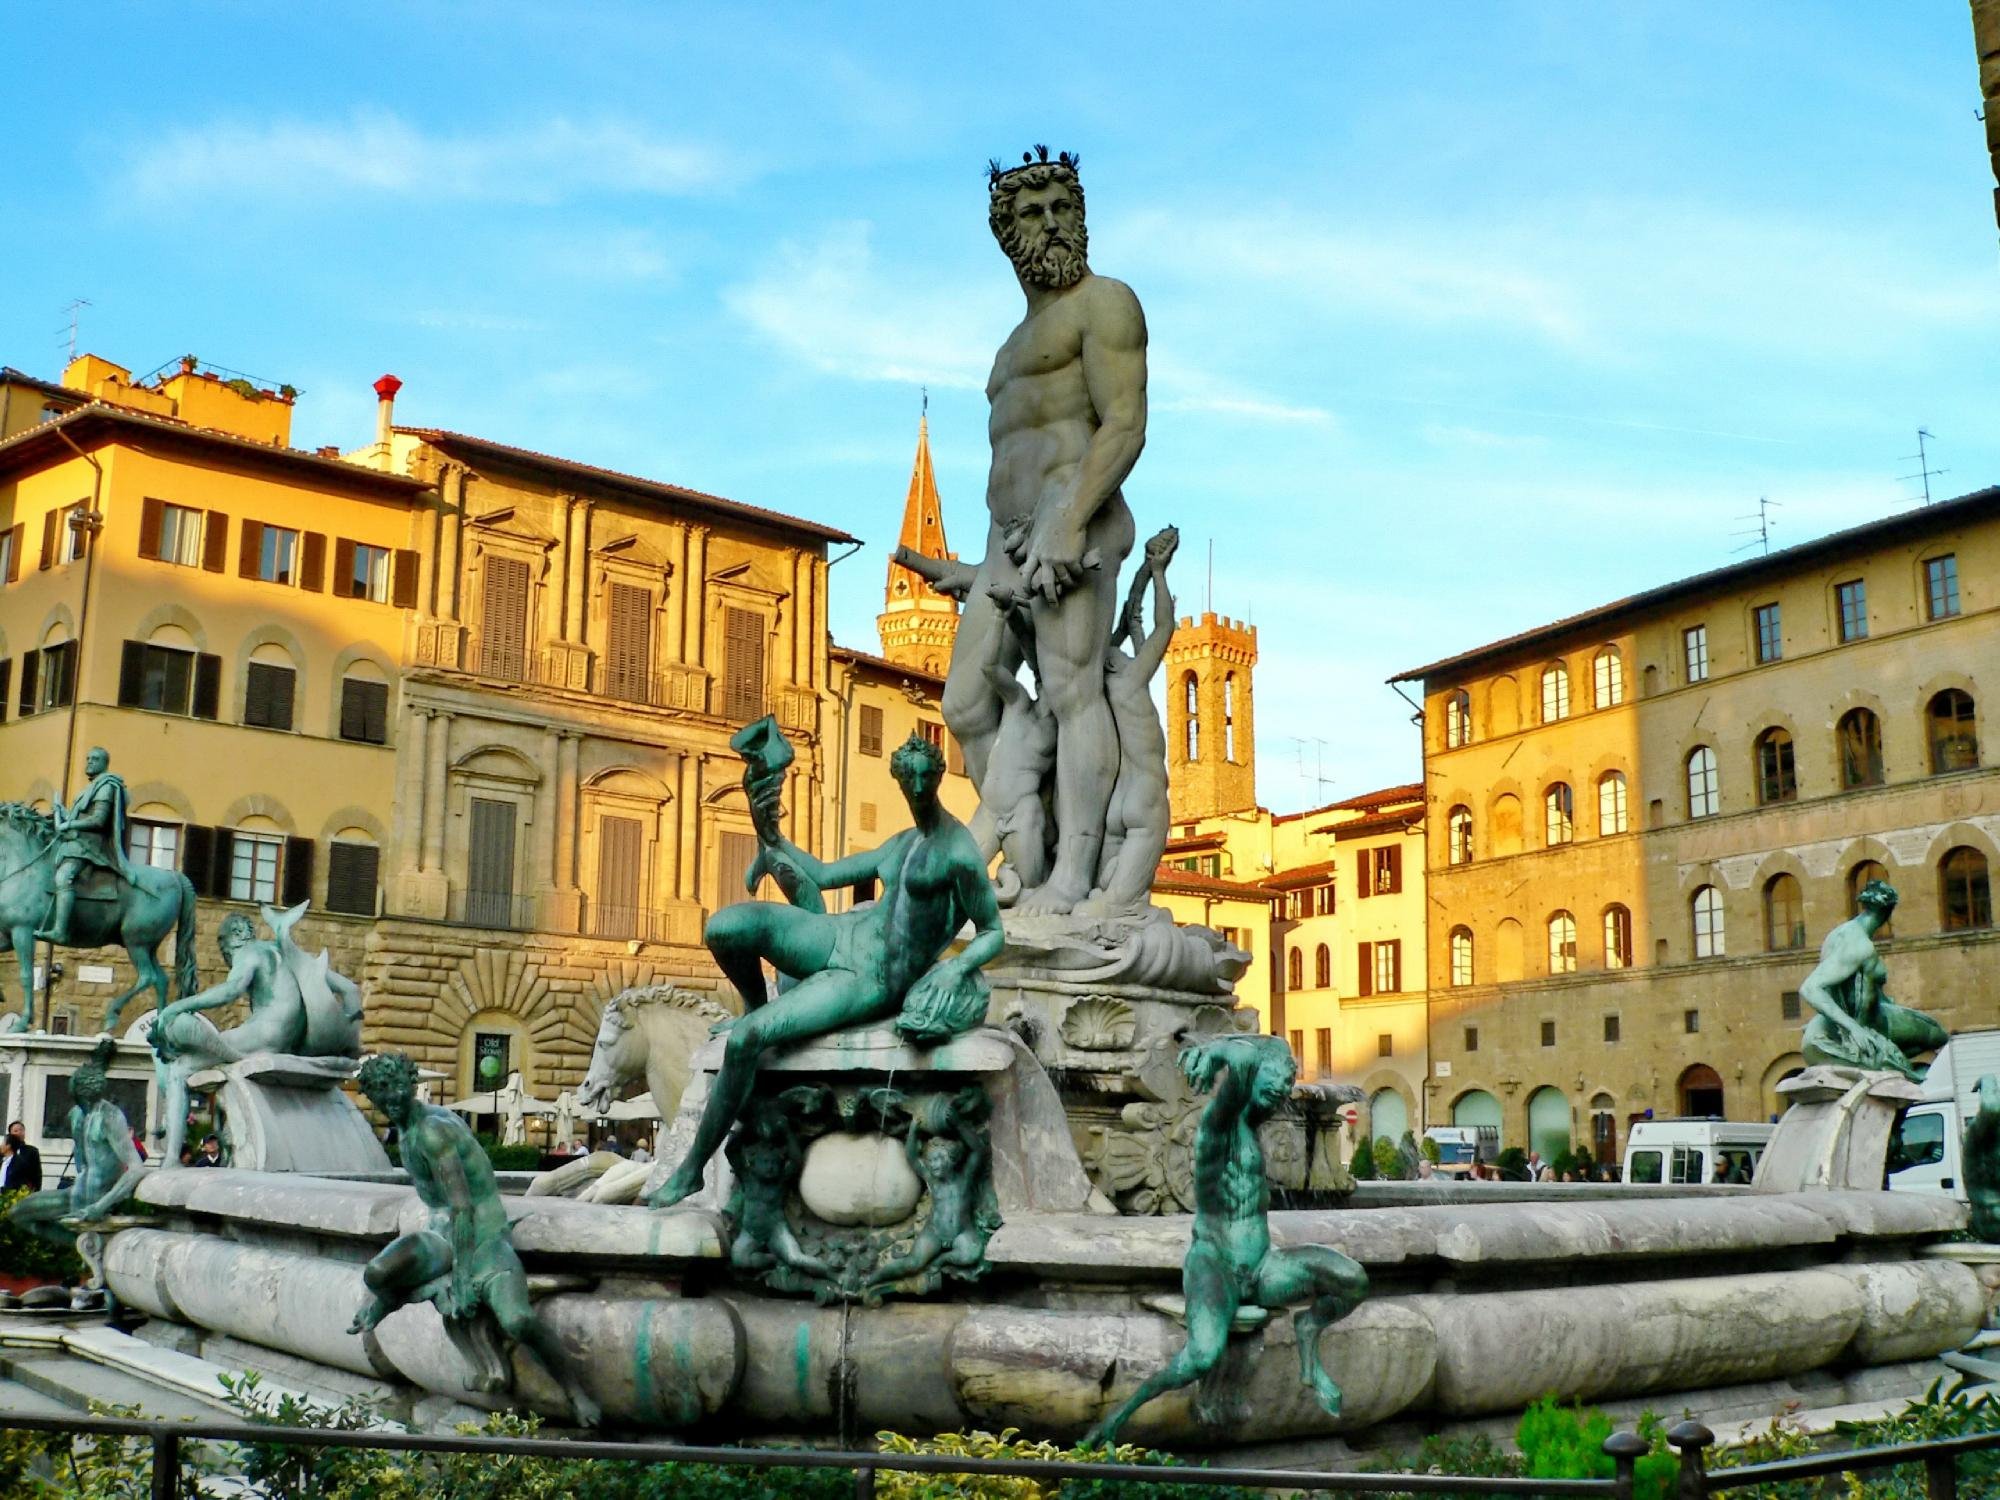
[1457,719]
[1858,741]
[1458,836]
[1323,967]
[1295,969]
[1559,814]
[1777,775]
[1555,692]
[1966,895]
[1617,938]
[1191,711]
[1229,717]
[353,872]
[1704,786]
[1610,803]
[1461,956]
[1858,878]
[1562,943]
[1954,730]
[1784,914]
[1607,679]
[1707,909]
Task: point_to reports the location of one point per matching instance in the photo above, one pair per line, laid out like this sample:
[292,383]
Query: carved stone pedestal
[1836,1133]
[290,1114]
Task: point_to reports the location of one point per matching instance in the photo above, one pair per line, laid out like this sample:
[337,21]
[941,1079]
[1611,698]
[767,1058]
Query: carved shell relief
[1099,1023]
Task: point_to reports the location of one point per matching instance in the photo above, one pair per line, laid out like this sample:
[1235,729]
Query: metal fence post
[1626,1449]
[1941,1476]
[1693,1441]
[864,1482]
[166,1465]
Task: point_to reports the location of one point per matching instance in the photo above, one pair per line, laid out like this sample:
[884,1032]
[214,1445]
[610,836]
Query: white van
[1694,1151]
[1924,1151]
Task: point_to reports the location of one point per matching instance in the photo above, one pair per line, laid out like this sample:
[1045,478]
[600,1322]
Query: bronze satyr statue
[852,967]
[106,1165]
[1857,1025]
[1231,1266]
[1980,1161]
[464,1261]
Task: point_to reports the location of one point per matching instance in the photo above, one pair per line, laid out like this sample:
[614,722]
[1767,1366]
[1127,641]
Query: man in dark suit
[24,1164]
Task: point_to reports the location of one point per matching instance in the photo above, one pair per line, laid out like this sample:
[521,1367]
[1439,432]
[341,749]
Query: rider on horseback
[90,831]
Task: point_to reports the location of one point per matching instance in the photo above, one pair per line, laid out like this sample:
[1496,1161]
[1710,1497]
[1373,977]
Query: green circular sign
[489,1068]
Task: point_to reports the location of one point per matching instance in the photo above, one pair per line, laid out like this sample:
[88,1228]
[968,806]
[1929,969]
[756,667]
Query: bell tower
[917,623]
[1211,720]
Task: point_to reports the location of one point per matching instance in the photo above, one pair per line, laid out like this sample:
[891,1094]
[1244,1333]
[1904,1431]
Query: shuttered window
[1364,967]
[628,659]
[267,696]
[10,544]
[58,684]
[734,855]
[871,729]
[6,684]
[253,865]
[742,665]
[503,619]
[364,711]
[352,872]
[489,881]
[620,847]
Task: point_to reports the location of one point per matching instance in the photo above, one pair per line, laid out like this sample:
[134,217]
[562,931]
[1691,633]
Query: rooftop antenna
[1922,457]
[927,398]
[74,313]
[1760,534]
[1321,781]
[1208,603]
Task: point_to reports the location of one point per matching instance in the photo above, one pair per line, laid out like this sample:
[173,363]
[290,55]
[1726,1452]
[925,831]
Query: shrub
[24,1254]
[1361,1166]
[1388,1159]
[1513,1164]
[1432,1151]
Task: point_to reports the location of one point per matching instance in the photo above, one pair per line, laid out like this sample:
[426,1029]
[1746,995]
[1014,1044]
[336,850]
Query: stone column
[567,546]
[694,594]
[677,585]
[437,771]
[690,805]
[412,756]
[451,544]
[786,646]
[568,813]
[548,809]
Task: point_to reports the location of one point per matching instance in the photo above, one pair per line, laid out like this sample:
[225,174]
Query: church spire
[918,623]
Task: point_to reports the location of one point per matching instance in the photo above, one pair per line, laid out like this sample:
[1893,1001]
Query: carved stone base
[1836,1133]
[290,1114]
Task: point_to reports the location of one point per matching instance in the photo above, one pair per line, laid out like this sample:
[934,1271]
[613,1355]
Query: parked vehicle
[1924,1150]
[1459,1146]
[1694,1150]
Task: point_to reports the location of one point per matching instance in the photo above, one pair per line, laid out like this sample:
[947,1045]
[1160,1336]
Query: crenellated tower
[1211,724]
[917,623]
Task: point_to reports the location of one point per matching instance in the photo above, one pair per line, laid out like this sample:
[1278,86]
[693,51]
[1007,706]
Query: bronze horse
[136,916]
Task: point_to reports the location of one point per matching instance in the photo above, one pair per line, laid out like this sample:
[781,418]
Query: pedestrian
[211,1152]
[138,1145]
[24,1165]
[640,1151]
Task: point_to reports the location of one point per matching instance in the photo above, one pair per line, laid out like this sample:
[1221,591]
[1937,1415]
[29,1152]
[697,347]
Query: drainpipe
[846,731]
[90,523]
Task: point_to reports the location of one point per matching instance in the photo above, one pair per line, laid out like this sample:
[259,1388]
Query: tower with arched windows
[917,623]
[1211,738]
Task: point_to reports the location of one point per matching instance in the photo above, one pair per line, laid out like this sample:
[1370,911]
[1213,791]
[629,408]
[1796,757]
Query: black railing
[1939,1456]
[167,1438]
[504,910]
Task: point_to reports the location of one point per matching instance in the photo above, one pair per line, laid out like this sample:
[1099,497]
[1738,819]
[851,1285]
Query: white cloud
[378,153]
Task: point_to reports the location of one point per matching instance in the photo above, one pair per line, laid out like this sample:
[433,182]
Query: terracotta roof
[99,422]
[1190,841]
[883,664]
[1382,822]
[1194,883]
[1920,521]
[650,489]
[1388,796]
[1286,880]
[11,376]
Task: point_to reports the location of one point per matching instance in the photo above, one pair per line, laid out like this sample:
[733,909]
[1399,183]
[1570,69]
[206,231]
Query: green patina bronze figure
[947,1147]
[1980,1152]
[1231,1268]
[464,1262]
[68,881]
[298,1006]
[852,967]
[765,1153]
[1857,1025]
[106,1165]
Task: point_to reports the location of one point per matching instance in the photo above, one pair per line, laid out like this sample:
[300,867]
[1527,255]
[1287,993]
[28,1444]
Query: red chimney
[385,416]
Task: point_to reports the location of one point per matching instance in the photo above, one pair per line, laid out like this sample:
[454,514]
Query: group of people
[639,1151]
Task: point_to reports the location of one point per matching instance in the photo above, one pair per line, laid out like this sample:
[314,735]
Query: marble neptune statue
[1068,420]
[851,967]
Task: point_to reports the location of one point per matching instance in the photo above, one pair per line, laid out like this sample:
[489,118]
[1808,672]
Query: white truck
[1459,1146]
[1924,1151]
[1705,1150]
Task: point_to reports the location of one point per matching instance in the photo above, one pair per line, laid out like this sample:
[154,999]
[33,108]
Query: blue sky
[1461,320]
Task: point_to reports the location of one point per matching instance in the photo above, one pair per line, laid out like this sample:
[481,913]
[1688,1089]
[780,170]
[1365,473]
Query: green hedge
[23,1254]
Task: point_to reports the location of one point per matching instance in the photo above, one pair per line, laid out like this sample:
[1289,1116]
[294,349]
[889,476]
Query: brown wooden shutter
[1365,959]
[489,875]
[503,618]
[735,853]
[198,857]
[207,686]
[621,844]
[250,552]
[353,871]
[150,515]
[404,589]
[743,664]
[215,542]
[268,691]
[131,673]
[1392,855]
[1364,884]
[343,567]
[49,540]
[6,681]
[19,537]
[628,657]
[31,662]
[312,562]
[871,729]
[298,872]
